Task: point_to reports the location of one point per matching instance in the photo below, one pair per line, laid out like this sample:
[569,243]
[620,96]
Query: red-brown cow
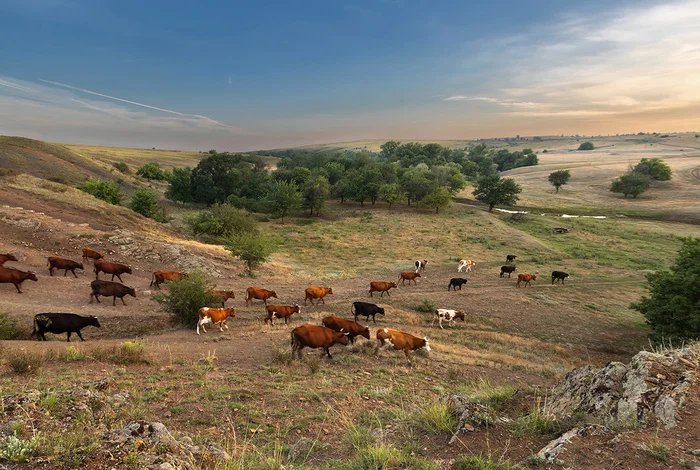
[312,336]
[260,294]
[216,316]
[7,257]
[400,341]
[115,269]
[89,253]
[224,295]
[281,311]
[380,286]
[317,293]
[408,276]
[56,262]
[350,327]
[526,278]
[16,277]
[159,277]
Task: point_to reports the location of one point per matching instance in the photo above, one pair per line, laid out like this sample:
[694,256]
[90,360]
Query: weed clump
[23,362]
[130,352]
[436,418]
[11,328]
[425,306]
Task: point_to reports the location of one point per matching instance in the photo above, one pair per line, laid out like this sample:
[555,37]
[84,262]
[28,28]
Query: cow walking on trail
[456,282]
[380,286]
[317,293]
[58,323]
[115,269]
[224,295]
[449,316]
[281,311]
[366,309]
[510,259]
[526,278]
[465,264]
[4,257]
[346,326]
[110,289]
[559,276]
[400,341]
[508,270]
[312,336]
[259,294]
[16,277]
[159,277]
[217,316]
[420,265]
[89,253]
[56,262]
[408,276]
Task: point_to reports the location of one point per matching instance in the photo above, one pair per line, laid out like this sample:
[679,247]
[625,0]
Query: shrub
[283,199]
[654,168]
[559,178]
[152,171]
[130,352]
[11,328]
[250,248]
[121,167]
[631,183]
[282,356]
[436,418]
[221,222]
[106,190]
[586,146]
[17,450]
[145,202]
[23,362]
[186,296]
[425,306]
[73,354]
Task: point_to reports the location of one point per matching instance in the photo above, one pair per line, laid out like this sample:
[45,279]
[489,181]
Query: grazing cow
[366,309]
[312,336]
[16,277]
[7,257]
[58,323]
[380,286]
[55,262]
[115,269]
[465,264]
[159,277]
[510,258]
[317,293]
[526,278]
[260,294]
[507,269]
[346,326]
[281,311]
[217,316]
[449,316]
[89,253]
[110,289]
[408,275]
[559,276]
[420,265]
[400,341]
[456,282]
[224,295]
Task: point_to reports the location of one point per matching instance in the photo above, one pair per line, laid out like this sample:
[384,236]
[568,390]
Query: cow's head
[380,310]
[426,346]
[273,294]
[93,321]
[132,292]
[230,312]
[459,314]
[10,257]
[31,276]
[533,277]
[128,270]
[296,309]
[392,284]
[365,332]
[329,290]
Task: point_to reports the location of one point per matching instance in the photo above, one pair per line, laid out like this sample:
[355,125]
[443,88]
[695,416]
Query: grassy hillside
[137,157]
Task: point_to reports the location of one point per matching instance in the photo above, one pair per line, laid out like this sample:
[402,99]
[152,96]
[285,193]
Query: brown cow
[281,311]
[7,257]
[260,294]
[224,295]
[350,327]
[89,253]
[317,293]
[160,277]
[115,269]
[400,341]
[312,336]
[56,262]
[408,275]
[380,286]
[110,289]
[216,316]
[16,277]
[526,278]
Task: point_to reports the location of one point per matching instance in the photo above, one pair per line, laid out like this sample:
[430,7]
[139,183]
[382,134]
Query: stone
[301,449]
[554,447]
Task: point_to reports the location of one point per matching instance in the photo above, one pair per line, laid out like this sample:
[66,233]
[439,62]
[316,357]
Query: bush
[130,352]
[122,167]
[145,202]
[106,190]
[250,248]
[11,328]
[17,450]
[23,362]
[631,183]
[654,168]
[152,171]
[586,146]
[186,296]
[425,306]
[221,222]
[436,418]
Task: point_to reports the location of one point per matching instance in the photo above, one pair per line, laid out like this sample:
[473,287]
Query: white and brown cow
[443,314]
[420,265]
[465,263]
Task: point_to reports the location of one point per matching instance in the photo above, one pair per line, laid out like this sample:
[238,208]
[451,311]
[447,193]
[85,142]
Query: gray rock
[301,450]
[552,449]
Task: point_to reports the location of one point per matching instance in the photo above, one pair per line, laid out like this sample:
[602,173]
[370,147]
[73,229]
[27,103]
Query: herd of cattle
[334,330]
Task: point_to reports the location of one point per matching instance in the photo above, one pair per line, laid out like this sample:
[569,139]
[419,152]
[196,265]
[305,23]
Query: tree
[655,168]
[631,183]
[391,193]
[417,181]
[145,202]
[283,199]
[672,309]
[151,171]
[559,178]
[186,296]
[492,190]
[586,146]
[437,198]
[107,190]
[250,248]
[221,221]
[179,185]
[315,192]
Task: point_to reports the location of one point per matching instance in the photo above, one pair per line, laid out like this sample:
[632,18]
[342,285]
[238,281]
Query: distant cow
[115,269]
[224,295]
[465,264]
[408,276]
[159,277]
[281,311]
[400,341]
[7,257]
[55,262]
[59,323]
[449,316]
[420,265]
[217,316]
[317,293]
[526,278]
[259,294]
[456,282]
[110,289]
[366,309]
[559,276]
[380,286]
[346,326]
[507,269]
[89,253]
[16,277]
[510,258]
[312,336]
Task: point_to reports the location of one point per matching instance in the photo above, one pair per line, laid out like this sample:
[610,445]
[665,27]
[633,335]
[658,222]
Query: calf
[380,286]
[526,278]
[366,309]
[400,341]
[317,293]
[420,265]
[7,257]
[55,262]
[89,253]
[110,289]
[465,264]
[456,282]
[58,323]
[346,326]
[408,275]
[510,258]
[447,315]
[281,311]
[115,269]
[260,294]
[559,276]
[224,295]
[16,277]
[217,316]
[507,269]
[312,336]
[159,277]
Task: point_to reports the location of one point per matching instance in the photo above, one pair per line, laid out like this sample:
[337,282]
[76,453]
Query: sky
[234,75]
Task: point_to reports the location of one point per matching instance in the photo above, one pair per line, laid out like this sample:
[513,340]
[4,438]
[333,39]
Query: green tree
[250,248]
[559,178]
[672,309]
[151,171]
[179,185]
[283,199]
[492,190]
[438,198]
[586,146]
[315,192]
[145,202]
[417,181]
[631,183]
[186,296]
[655,168]
[391,193]
[220,222]
[107,190]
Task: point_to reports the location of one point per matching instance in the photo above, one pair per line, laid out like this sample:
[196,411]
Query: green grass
[657,450]
[435,418]
[476,462]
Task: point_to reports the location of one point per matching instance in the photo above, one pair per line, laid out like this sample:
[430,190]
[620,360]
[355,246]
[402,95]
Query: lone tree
[654,168]
[186,296]
[631,183]
[586,146]
[672,309]
[251,248]
[283,199]
[559,178]
[437,198]
[492,190]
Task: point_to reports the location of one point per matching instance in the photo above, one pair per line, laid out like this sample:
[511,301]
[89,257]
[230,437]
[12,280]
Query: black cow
[456,282]
[559,276]
[507,269]
[110,289]
[510,258]
[366,309]
[58,323]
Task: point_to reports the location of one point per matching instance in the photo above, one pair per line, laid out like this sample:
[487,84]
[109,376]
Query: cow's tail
[153,278]
[293,342]
[35,331]
[352,309]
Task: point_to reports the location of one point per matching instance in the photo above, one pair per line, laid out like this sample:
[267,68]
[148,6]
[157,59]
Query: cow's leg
[440,323]
[68,336]
[41,333]
[328,351]
[119,276]
[562,280]
[122,297]
[221,324]
[324,302]
[370,293]
[114,300]
[374,320]
[51,271]
[80,336]
[74,275]
[17,287]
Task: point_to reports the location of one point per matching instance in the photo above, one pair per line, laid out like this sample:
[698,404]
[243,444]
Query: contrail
[15,86]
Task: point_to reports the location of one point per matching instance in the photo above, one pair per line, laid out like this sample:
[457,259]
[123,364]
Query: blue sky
[245,75]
